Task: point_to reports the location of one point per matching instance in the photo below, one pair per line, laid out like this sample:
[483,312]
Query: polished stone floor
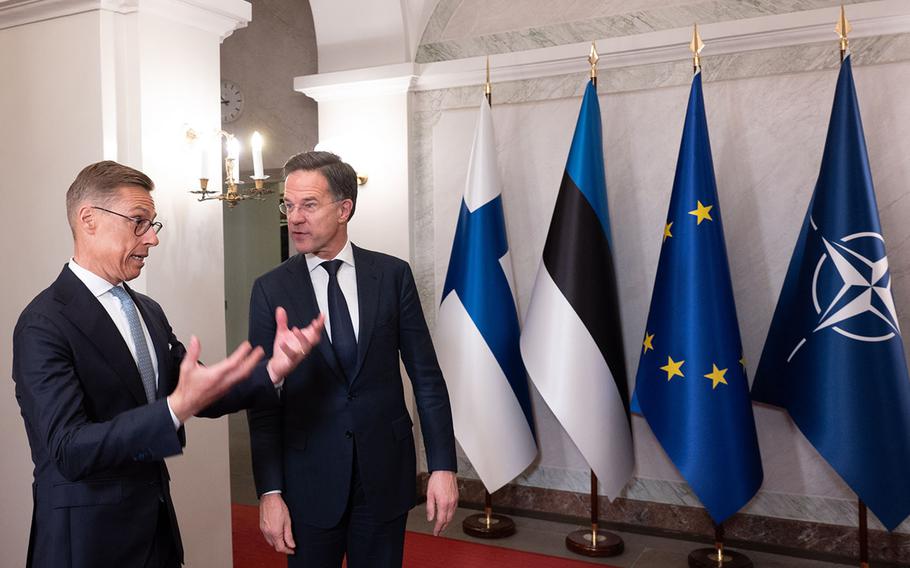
[641,551]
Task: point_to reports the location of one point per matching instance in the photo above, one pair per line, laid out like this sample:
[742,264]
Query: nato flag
[834,357]
[691,384]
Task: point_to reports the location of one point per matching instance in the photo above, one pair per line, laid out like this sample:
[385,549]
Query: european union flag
[691,384]
[834,357]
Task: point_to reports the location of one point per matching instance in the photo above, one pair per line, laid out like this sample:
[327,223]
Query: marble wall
[466,28]
[767,114]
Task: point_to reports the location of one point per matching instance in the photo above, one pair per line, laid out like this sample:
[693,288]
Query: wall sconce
[231,195]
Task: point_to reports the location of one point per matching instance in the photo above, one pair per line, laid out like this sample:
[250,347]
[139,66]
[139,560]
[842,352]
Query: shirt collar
[97,285]
[346,255]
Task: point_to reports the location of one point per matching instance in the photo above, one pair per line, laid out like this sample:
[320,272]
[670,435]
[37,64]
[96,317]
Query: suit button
[351,396]
[348,434]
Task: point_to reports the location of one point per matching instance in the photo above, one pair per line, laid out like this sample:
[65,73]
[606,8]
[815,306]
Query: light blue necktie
[143,359]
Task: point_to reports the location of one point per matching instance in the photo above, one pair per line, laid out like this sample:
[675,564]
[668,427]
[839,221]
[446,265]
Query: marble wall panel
[467,28]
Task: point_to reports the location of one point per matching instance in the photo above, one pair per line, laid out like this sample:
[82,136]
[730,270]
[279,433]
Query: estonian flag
[691,384]
[477,331]
[834,357]
[572,342]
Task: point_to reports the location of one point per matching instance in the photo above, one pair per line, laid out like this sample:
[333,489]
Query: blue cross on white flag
[477,331]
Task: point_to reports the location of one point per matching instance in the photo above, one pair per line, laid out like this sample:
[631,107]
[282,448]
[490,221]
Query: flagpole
[487,86]
[842,29]
[594,542]
[487,524]
[716,557]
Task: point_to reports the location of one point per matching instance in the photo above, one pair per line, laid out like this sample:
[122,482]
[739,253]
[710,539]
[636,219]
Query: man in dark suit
[105,388]
[335,464]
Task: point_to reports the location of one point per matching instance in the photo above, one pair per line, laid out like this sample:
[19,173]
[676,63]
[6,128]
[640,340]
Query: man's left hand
[292,345]
[442,499]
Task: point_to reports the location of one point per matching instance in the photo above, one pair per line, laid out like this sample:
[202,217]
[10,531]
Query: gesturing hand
[275,523]
[199,386]
[291,345]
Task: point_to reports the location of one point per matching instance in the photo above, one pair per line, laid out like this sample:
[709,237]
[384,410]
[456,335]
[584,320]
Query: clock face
[231,101]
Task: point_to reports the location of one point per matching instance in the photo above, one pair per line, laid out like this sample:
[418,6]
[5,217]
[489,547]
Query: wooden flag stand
[594,541]
[488,524]
[718,556]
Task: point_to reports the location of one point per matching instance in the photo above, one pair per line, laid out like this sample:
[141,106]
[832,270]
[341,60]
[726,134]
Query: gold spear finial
[843,28]
[487,86]
[695,47]
[593,58]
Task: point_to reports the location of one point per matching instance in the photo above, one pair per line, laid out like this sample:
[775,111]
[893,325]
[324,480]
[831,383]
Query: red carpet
[420,550]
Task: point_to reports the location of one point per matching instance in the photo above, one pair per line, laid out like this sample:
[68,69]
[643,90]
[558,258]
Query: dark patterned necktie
[343,340]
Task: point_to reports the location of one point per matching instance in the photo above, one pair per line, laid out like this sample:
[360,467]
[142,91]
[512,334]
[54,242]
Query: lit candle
[233,153]
[256,145]
[203,158]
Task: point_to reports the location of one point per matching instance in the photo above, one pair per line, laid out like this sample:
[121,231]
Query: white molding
[358,83]
[221,17]
[883,17]
[22,12]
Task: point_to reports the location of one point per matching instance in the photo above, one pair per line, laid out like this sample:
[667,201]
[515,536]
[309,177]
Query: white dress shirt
[347,280]
[101,289]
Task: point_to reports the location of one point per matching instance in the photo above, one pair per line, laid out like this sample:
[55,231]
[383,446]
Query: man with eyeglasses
[105,387]
[335,465]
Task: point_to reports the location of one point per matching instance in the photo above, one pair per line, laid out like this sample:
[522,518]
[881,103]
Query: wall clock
[231,101]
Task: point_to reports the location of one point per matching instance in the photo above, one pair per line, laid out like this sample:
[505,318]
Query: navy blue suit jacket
[306,447]
[97,445]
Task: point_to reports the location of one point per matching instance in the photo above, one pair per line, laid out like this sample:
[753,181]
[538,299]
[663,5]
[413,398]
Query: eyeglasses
[142,225]
[307,208]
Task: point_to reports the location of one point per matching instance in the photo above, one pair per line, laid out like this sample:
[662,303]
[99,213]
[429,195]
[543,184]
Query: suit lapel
[85,312]
[159,337]
[303,307]
[368,281]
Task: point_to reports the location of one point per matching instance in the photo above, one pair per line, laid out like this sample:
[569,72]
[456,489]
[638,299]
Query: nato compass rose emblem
[851,289]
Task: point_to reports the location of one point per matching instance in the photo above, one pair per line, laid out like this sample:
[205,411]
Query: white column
[90,80]
[363,117]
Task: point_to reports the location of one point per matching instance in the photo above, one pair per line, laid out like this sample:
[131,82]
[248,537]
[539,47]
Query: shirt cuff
[173,416]
[272,492]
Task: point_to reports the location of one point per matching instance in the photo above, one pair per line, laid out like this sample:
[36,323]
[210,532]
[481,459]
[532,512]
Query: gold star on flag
[673,368]
[742,361]
[649,337]
[667,232]
[716,376]
[702,212]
